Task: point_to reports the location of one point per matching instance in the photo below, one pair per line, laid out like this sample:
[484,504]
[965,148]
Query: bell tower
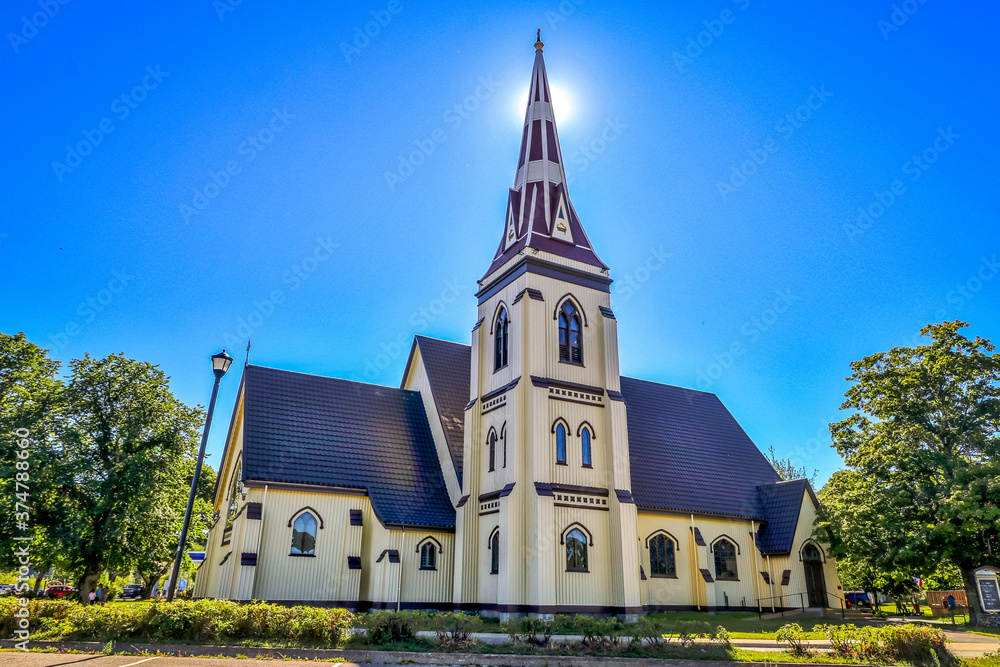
[546,523]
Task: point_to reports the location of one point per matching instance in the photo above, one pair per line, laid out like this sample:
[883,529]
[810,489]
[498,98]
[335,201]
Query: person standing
[93,596]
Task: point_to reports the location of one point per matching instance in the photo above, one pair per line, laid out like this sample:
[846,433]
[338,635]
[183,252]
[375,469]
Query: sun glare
[562,104]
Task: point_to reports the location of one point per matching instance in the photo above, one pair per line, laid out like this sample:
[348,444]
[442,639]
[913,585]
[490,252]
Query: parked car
[132,592]
[6,589]
[60,591]
[857,599]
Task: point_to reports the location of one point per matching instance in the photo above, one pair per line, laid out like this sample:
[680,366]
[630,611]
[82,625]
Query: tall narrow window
[428,556]
[585,444]
[492,441]
[570,344]
[304,535]
[560,444]
[234,503]
[503,444]
[576,551]
[661,557]
[495,556]
[725,559]
[500,339]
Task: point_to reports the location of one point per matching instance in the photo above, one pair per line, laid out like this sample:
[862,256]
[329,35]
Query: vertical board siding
[324,577]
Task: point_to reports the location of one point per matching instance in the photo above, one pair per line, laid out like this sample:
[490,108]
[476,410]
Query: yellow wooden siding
[417,380]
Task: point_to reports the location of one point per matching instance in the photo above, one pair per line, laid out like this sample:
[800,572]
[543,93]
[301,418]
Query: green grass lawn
[743,625]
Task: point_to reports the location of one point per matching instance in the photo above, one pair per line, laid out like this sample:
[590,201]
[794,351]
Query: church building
[518,474]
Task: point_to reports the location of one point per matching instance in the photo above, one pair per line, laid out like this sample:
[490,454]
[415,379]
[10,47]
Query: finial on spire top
[538,44]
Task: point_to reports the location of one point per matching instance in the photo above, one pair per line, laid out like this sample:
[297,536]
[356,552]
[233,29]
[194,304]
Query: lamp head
[220,364]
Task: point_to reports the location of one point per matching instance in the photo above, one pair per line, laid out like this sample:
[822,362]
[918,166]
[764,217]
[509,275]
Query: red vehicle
[59,591]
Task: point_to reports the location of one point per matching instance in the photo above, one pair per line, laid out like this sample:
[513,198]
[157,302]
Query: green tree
[922,445]
[29,404]
[121,441]
[786,469]
[154,526]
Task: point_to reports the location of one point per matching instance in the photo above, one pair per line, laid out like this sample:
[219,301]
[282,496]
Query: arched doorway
[812,562]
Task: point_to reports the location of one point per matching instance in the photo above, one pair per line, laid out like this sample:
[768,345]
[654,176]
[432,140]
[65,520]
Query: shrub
[919,645]
[793,634]
[455,630]
[652,629]
[915,644]
[387,627]
[207,621]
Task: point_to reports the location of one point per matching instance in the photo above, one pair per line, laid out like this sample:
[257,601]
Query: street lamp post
[220,364]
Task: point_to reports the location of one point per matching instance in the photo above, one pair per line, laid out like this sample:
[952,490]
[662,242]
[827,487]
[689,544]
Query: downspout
[696,561]
[770,575]
[399,576]
[753,550]
[260,536]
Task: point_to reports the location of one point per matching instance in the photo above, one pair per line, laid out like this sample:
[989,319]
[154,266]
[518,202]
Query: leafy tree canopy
[922,486]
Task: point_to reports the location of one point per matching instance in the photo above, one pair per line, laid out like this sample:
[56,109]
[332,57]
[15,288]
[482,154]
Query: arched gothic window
[500,339]
[492,442]
[560,444]
[304,535]
[725,559]
[495,556]
[811,553]
[428,556]
[576,551]
[570,343]
[661,557]
[235,488]
[585,445]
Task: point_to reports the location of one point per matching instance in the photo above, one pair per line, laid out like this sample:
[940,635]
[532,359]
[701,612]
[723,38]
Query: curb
[392,657]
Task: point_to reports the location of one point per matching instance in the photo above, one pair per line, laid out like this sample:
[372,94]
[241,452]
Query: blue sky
[181,174]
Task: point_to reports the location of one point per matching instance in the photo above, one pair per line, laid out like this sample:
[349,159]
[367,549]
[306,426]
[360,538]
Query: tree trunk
[38,579]
[972,594]
[148,580]
[88,582]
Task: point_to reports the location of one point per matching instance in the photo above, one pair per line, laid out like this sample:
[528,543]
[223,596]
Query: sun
[562,104]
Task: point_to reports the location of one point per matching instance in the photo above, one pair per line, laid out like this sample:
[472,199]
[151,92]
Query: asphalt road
[20,659]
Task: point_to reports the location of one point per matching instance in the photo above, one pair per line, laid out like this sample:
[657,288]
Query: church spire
[540,214]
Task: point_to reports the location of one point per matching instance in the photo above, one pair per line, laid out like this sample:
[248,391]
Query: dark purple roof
[308,429]
[448,366]
[781,503]
[688,454]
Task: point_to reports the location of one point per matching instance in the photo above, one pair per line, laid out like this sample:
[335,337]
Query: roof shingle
[308,429]
[687,453]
